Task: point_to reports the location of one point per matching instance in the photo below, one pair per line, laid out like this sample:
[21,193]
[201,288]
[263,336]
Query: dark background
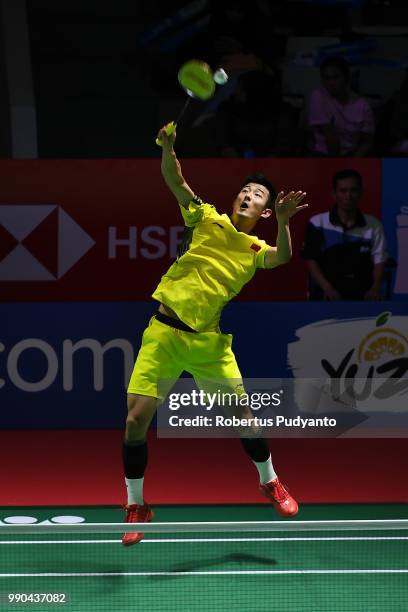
[104,73]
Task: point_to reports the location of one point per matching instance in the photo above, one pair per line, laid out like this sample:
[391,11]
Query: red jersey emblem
[255,247]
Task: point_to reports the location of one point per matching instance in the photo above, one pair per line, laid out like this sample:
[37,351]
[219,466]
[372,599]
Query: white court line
[192,541]
[210,573]
[209,527]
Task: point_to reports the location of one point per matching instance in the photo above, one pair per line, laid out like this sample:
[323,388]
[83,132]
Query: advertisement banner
[107,230]
[68,365]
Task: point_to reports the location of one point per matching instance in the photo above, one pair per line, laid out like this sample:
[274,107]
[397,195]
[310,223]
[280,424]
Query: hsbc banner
[68,365]
[107,230]
[395,220]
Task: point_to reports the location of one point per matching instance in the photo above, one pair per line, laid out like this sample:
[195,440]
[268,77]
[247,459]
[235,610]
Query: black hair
[260,179]
[336,62]
[345,174]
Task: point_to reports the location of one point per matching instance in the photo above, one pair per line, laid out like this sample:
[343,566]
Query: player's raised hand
[288,205]
[167,135]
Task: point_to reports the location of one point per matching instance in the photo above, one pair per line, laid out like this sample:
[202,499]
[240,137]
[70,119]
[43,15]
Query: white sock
[135,491]
[265,470]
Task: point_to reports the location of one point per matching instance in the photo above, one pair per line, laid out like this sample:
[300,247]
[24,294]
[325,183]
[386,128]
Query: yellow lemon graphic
[381,341]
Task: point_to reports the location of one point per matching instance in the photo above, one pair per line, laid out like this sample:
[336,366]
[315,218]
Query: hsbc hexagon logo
[39,242]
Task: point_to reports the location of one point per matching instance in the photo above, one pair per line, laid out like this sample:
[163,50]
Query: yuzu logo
[364,366]
[382,343]
[39,242]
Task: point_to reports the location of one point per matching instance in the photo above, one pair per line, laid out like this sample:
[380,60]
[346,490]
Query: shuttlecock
[220,76]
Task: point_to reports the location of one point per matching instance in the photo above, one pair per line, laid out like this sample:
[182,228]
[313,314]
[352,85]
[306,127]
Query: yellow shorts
[166,352]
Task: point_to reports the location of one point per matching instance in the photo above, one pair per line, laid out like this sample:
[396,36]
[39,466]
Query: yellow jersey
[219,261]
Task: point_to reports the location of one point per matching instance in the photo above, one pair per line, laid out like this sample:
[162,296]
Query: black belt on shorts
[176,323]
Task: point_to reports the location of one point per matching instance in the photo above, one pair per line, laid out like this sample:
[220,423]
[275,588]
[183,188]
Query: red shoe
[136,514]
[283,502]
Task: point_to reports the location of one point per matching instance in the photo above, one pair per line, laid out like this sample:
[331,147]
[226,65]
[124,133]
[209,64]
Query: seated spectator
[345,248]
[341,122]
[255,122]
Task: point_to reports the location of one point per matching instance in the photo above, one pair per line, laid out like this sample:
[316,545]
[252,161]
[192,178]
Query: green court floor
[285,571]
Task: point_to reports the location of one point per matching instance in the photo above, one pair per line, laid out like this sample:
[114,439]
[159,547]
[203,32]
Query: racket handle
[169,129]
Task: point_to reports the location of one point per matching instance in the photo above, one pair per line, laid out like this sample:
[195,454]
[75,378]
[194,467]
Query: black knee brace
[256,448]
[134,458]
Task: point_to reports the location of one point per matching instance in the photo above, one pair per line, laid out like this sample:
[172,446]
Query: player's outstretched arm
[286,206]
[171,170]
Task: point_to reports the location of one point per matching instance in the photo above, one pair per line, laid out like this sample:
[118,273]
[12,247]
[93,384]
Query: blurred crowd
[306,77]
[323,78]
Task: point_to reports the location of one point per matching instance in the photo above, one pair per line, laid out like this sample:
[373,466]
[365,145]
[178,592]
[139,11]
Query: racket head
[197,79]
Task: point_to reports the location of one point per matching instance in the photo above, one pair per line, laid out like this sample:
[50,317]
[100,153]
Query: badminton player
[219,255]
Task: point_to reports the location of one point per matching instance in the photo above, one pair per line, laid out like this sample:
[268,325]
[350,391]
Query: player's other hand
[286,206]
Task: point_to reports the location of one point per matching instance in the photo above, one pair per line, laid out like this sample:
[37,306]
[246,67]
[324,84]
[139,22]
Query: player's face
[251,201]
[347,193]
